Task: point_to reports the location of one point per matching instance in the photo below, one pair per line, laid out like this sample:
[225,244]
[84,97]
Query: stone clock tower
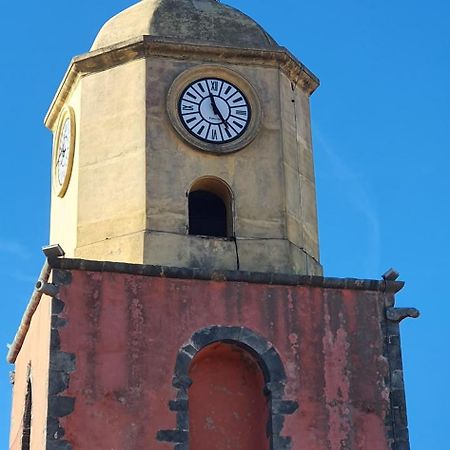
[182,303]
[148,132]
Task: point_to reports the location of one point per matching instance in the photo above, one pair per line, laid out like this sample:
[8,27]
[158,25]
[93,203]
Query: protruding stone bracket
[269,362]
[398,314]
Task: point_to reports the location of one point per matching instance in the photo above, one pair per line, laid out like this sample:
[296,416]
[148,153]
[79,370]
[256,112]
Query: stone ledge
[231,275]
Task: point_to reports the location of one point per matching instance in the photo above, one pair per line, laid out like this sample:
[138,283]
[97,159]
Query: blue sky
[381,122]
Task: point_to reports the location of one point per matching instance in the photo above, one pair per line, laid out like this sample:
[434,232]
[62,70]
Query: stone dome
[194,21]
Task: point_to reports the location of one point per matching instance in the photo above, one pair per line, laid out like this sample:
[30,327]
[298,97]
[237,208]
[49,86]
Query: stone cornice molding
[145,46]
[238,276]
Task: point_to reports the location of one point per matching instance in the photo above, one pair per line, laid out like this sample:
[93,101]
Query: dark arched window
[210,208]
[26,431]
[227,405]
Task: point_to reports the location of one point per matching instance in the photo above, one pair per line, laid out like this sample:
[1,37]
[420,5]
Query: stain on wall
[126,331]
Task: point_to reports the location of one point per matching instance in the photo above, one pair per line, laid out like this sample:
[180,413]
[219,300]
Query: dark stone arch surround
[269,362]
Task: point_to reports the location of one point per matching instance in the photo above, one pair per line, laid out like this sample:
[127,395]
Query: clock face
[62,162]
[64,150]
[214,110]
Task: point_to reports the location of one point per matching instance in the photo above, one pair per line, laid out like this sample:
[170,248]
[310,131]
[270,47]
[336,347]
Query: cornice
[147,46]
[239,276]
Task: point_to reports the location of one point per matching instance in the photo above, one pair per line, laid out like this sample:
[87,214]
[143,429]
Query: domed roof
[205,21]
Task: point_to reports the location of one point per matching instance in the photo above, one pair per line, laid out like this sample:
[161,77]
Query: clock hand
[216,110]
[61,154]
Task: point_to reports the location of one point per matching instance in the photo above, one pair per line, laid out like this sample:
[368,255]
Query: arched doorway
[227,405]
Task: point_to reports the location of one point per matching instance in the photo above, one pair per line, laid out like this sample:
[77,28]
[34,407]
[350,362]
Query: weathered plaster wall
[254,174]
[33,359]
[272,181]
[125,332]
[64,211]
[127,197]
[111,204]
[298,165]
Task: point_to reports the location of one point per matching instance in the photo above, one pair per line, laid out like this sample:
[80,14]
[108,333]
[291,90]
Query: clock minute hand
[216,110]
[214,107]
[61,154]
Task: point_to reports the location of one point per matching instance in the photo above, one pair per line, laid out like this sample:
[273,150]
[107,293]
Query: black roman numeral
[241,112]
[215,85]
[187,108]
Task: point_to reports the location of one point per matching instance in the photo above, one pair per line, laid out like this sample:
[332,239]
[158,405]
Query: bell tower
[177,98]
[182,304]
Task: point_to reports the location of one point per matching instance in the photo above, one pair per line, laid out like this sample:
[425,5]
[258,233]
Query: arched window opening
[210,208]
[227,405]
[26,431]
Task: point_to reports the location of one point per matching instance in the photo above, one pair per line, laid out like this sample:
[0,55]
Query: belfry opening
[210,208]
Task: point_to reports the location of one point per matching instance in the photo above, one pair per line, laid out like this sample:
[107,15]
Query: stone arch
[269,362]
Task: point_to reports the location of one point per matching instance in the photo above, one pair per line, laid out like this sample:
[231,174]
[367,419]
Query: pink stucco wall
[126,330]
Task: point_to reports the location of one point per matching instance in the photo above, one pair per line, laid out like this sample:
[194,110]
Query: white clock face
[64,151]
[62,162]
[214,110]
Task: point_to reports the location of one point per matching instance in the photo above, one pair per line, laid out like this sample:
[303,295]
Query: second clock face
[214,110]
[62,162]
[64,148]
